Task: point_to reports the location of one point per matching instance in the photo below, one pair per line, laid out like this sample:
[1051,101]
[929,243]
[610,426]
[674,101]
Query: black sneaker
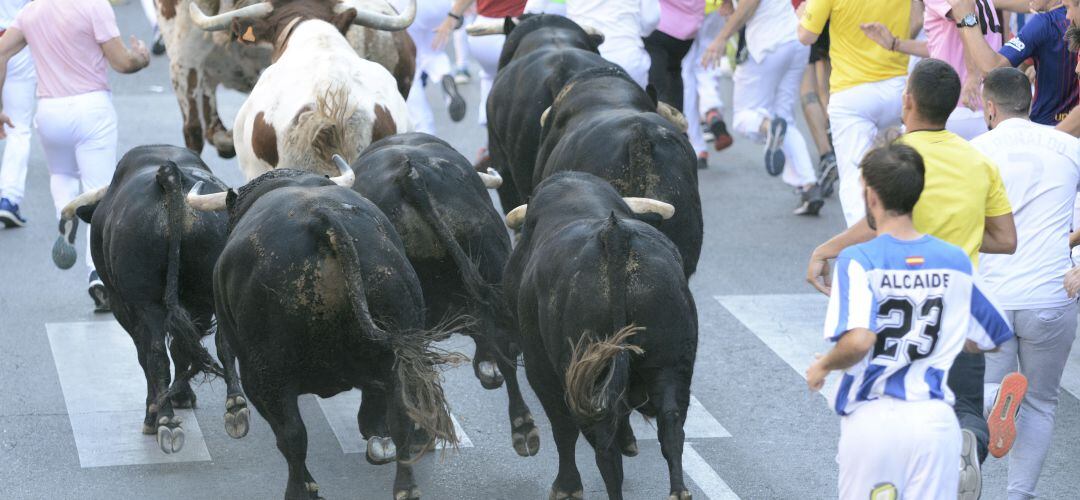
[98,293]
[159,46]
[702,162]
[9,214]
[812,201]
[455,103]
[721,138]
[774,143]
[827,174]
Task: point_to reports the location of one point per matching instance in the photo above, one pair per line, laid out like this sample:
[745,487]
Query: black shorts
[819,51]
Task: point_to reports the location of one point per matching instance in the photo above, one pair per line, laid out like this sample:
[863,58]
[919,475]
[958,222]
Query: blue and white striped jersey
[921,300]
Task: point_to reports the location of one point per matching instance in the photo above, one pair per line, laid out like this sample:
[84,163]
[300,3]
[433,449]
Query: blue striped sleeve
[852,302]
[995,329]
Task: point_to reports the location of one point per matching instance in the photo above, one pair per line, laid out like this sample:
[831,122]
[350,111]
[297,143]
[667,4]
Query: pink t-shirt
[681,18]
[65,38]
[943,37]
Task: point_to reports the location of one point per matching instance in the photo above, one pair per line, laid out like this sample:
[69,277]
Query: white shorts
[912,448]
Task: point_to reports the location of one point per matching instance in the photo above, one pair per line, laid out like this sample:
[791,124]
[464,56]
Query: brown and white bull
[318,98]
[201,61]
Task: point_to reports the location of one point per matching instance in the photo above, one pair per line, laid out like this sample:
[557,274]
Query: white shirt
[8,10]
[1040,167]
[621,21]
[772,24]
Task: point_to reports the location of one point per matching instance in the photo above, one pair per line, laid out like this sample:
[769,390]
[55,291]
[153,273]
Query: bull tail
[598,375]
[415,191]
[63,252]
[185,334]
[416,364]
[324,129]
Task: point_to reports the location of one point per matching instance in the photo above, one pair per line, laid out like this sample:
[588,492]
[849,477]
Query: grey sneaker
[828,175]
[774,143]
[455,104]
[970,470]
[811,202]
[98,293]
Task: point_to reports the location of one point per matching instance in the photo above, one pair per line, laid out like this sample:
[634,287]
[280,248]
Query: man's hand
[714,52]
[815,375]
[818,273]
[138,49]
[879,34]
[971,93]
[443,32]
[1072,282]
[5,120]
[961,8]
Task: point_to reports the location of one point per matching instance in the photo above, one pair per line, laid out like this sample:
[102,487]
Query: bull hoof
[630,449]
[226,151]
[149,427]
[409,494]
[313,490]
[563,495]
[223,142]
[489,375]
[186,399]
[380,450]
[170,435]
[526,436]
[680,495]
[237,416]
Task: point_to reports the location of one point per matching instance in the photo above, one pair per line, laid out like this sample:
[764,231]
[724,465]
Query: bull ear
[343,20]
[86,212]
[508,25]
[243,31]
[230,199]
[651,90]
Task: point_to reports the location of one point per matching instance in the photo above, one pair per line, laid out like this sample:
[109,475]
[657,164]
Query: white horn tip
[196,188]
[492,179]
[516,217]
[649,205]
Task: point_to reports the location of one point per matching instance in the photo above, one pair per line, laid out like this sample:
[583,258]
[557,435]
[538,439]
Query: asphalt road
[68,389]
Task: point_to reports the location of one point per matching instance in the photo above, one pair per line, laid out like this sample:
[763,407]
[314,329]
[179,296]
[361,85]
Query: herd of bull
[355,247]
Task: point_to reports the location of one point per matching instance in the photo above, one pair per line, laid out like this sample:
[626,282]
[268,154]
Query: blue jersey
[920,299]
[1056,89]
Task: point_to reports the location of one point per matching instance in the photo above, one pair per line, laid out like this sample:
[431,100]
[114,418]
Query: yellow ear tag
[249,35]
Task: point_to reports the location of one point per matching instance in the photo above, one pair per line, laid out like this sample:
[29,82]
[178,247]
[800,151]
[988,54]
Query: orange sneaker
[1002,420]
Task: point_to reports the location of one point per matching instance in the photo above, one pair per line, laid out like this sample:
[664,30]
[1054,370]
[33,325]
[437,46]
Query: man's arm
[916,23]
[124,60]
[716,50]
[975,47]
[817,272]
[442,33]
[852,347]
[883,37]
[812,14]
[1071,124]
[999,235]
[11,43]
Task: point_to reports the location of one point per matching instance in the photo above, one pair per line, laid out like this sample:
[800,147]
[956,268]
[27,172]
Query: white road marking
[1070,379]
[699,424]
[789,324]
[105,390]
[340,412]
[704,476]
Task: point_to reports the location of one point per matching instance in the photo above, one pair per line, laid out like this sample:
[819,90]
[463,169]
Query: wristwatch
[460,19]
[969,21]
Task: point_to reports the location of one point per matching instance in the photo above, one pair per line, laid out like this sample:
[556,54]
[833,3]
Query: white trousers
[19,89]
[429,14]
[150,9]
[857,115]
[78,134]
[912,446]
[486,50]
[967,123]
[461,46]
[768,89]
[701,87]
[630,55]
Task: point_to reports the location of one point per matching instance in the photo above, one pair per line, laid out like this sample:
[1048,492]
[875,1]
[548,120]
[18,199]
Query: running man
[1041,170]
[866,81]
[73,43]
[432,66]
[905,305]
[18,102]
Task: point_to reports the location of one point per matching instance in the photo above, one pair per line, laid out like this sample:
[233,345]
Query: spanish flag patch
[915,261]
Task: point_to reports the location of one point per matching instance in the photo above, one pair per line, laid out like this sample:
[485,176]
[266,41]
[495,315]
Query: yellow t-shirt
[855,58]
[961,189]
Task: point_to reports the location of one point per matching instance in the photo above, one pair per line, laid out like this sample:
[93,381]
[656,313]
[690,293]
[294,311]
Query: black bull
[315,294]
[606,324]
[458,245]
[155,257]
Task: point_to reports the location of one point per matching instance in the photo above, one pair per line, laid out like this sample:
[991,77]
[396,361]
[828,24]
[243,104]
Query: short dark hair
[1010,89]
[896,173]
[935,87]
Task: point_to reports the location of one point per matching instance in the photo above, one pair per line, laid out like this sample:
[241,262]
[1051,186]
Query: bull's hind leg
[523,431]
[567,485]
[485,366]
[603,438]
[138,334]
[281,411]
[237,415]
[669,430]
[381,448]
[170,436]
[216,132]
[185,83]
[182,395]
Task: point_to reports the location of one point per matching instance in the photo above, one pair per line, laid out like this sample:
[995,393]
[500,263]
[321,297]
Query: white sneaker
[970,470]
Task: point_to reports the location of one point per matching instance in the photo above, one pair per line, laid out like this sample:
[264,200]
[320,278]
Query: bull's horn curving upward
[672,115]
[206,202]
[377,20]
[650,206]
[63,252]
[224,20]
[516,217]
[485,28]
[347,176]
[544,116]
[492,179]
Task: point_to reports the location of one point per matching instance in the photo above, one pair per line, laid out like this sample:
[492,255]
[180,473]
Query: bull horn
[63,252]
[222,21]
[544,116]
[347,176]
[492,179]
[672,115]
[375,20]
[206,202]
[647,206]
[591,31]
[516,217]
[485,28]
